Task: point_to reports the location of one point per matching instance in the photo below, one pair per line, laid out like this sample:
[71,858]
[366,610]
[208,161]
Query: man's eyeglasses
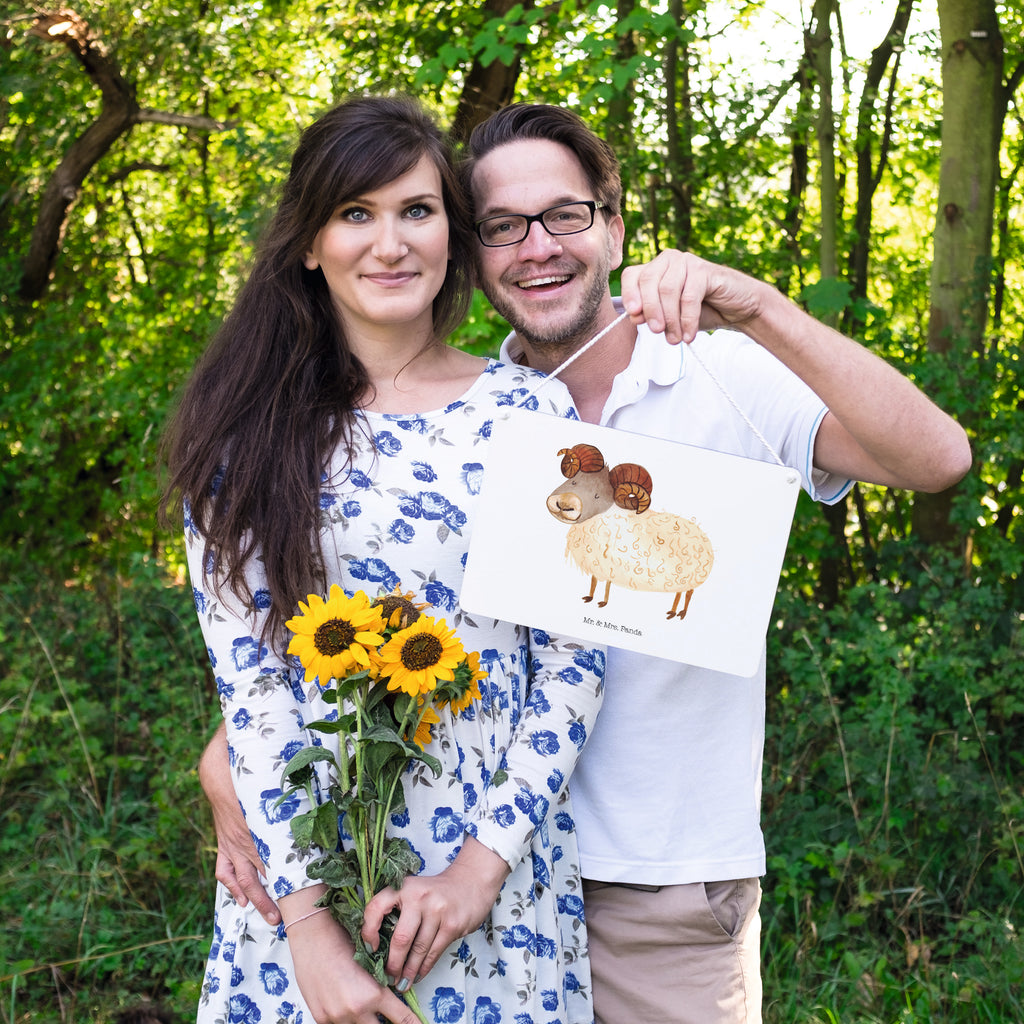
[564,219]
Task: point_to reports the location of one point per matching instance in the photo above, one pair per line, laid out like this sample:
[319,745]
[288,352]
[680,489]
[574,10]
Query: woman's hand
[336,989]
[435,910]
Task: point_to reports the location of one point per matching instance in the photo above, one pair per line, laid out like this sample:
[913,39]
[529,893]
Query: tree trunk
[679,132]
[487,89]
[819,55]
[869,170]
[117,116]
[973,105]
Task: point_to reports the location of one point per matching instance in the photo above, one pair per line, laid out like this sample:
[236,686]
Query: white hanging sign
[629,541]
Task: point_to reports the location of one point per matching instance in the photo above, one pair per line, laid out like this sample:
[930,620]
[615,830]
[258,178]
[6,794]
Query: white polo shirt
[668,789]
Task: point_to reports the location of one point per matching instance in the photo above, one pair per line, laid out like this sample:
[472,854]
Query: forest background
[866,158]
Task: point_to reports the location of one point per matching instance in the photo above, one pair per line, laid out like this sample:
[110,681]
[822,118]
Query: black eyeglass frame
[591,204]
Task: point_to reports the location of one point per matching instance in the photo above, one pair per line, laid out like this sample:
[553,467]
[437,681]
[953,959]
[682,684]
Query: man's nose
[539,244]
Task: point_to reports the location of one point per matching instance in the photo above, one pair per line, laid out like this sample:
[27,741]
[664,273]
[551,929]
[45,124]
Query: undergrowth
[893,798]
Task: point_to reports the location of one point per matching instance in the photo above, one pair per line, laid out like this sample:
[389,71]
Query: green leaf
[299,769]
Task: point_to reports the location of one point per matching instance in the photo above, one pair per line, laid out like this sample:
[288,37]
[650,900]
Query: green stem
[414,1004]
[360,834]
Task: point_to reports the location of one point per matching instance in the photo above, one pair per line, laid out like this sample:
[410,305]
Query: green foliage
[107,866]
[893,780]
[893,800]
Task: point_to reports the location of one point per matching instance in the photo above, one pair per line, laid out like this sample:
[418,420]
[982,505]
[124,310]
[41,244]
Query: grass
[893,810]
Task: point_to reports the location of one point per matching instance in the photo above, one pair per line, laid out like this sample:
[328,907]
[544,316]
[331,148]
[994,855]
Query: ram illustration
[615,537]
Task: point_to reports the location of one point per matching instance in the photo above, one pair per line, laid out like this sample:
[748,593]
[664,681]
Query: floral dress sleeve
[565,691]
[263,705]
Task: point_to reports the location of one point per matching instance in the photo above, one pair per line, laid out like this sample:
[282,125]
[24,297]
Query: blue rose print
[273,811]
[545,742]
[274,978]
[242,1010]
[541,875]
[542,638]
[262,600]
[357,478]
[485,430]
[401,531]
[572,983]
[199,598]
[578,734]
[448,1005]
[374,570]
[570,904]
[440,596]
[555,781]
[573,676]
[351,509]
[246,652]
[282,887]
[473,476]
[549,999]
[546,947]
[446,825]
[505,816]
[518,937]
[415,425]
[454,518]
[564,822]
[590,660]
[424,472]
[487,1011]
[237,977]
[241,718]
[387,444]
[538,701]
[290,749]
[533,805]
[327,501]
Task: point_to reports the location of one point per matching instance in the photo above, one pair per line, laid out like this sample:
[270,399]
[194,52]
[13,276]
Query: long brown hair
[274,394]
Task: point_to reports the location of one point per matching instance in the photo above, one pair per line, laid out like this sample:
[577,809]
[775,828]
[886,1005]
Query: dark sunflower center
[334,636]
[421,651]
[391,603]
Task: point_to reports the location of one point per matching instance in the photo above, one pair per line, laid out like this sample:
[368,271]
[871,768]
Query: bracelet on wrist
[305,917]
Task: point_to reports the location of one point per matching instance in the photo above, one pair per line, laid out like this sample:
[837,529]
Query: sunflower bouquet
[390,669]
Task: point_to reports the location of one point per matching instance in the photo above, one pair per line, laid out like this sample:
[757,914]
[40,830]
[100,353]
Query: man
[667,792]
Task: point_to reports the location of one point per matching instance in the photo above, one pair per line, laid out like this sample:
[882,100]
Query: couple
[665,797]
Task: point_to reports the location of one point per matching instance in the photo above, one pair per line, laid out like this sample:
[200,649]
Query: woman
[329,435]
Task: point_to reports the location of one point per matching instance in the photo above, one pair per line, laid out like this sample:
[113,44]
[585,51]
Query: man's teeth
[538,281]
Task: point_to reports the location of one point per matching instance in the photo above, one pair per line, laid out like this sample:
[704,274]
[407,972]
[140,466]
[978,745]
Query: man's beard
[569,335]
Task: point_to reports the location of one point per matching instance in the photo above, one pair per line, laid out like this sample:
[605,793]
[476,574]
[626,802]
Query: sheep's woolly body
[656,551]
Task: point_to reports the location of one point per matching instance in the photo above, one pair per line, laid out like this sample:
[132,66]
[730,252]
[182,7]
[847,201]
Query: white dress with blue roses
[403,516]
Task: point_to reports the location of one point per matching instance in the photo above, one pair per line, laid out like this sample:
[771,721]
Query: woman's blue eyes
[357,215]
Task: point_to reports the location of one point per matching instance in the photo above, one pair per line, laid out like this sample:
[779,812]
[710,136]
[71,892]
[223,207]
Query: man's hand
[678,293]
[238,864]
[435,910]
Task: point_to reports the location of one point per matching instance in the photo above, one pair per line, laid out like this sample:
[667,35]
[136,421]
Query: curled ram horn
[631,487]
[581,458]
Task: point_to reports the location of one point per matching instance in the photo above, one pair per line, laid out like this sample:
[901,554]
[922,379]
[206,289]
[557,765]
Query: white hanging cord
[692,351]
[590,344]
[732,401]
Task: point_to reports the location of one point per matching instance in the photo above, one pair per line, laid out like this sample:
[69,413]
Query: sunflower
[417,657]
[399,609]
[332,636]
[423,734]
[472,692]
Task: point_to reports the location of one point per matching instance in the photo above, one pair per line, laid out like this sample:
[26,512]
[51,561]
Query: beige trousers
[675,954]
